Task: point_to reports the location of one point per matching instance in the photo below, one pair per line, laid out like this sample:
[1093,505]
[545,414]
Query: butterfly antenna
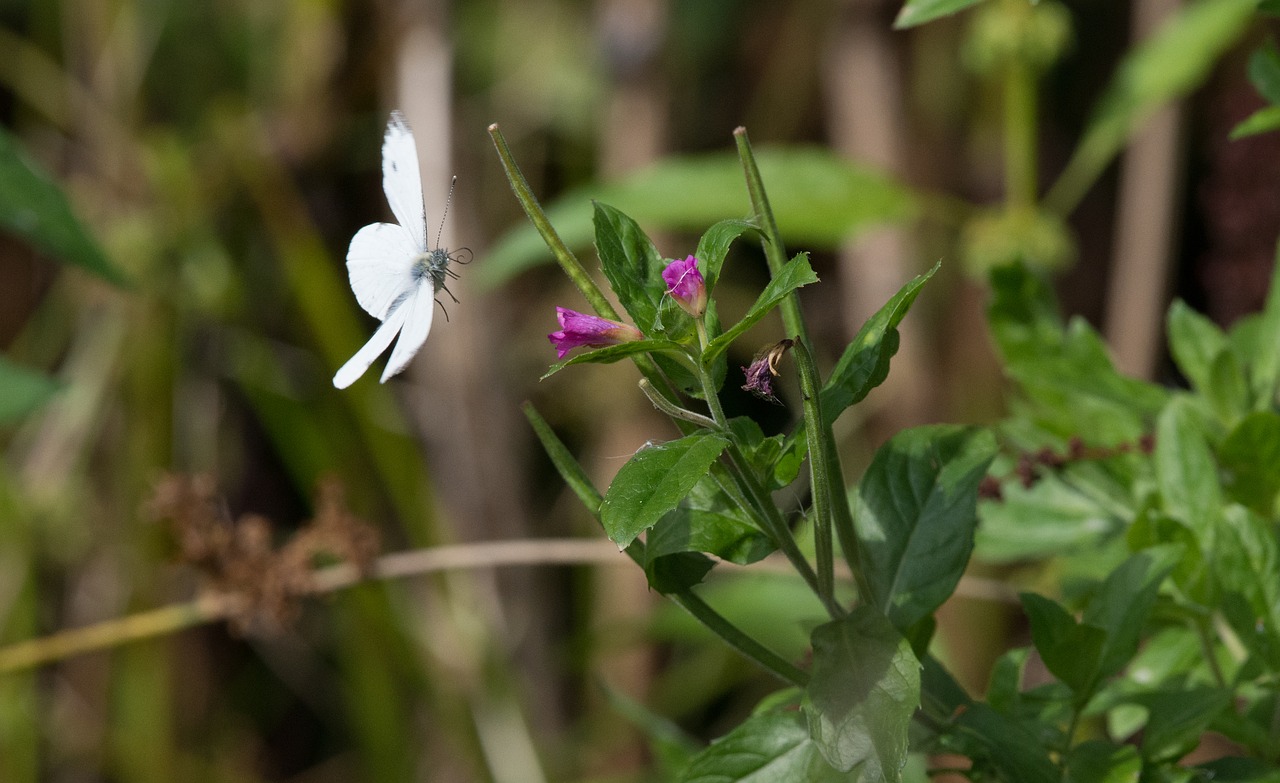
[447,201]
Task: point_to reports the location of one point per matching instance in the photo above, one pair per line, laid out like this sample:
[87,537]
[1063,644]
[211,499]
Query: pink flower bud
[579,329]
[686,286]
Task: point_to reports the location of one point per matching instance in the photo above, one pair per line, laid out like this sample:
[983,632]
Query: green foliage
[917,12]
[864,690]
[915,517]
[818,197]
[1264,73]
[22,391]
[34,208]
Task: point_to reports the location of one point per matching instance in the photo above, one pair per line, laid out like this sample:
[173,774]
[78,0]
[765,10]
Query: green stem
[774,252]
[821,453]
[1021,162]
[564,256]
[580,483]
[675,411]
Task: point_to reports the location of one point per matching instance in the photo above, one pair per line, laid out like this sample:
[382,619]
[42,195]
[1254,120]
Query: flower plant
[1163,504]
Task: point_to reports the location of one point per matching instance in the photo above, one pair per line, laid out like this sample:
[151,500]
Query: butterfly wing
[356,365]
[402,180]
[420,308]
[380,267]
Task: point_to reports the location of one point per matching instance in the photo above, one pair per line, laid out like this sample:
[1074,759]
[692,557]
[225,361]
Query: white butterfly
[393,273]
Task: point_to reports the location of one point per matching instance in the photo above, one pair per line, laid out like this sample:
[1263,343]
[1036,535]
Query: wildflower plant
[678,506]
[1163,506]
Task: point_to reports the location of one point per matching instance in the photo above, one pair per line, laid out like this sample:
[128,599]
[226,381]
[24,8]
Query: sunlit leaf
[772,746]
[864,688]
[654,481]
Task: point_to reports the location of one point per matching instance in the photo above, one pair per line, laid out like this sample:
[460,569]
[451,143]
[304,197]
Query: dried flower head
[761,372]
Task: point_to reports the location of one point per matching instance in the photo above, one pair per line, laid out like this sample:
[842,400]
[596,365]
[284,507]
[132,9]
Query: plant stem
[1021,162]
[774,252]
[673,410]
[564,256]
[820,456]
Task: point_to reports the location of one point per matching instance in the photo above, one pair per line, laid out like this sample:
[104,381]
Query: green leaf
[1186,472]
[1247,559]
[564,462]
[773,746]
[33,207]
[1066,374]
[1194,342]
[1250,455]
[714,247]
[1123,604]
[794,274]
[1176,719]
[1047,519]
[865,362]
[915,516]
[1170,63]
[631,263]
[669,546]
[654,481]
[1071,650]
[1264,71]
[819,199]
[671,745]
[21,390]
[1010,745]
[1099,761]
[613,353]
[1263,358]
[917,12]
[1263,120]
[865,685]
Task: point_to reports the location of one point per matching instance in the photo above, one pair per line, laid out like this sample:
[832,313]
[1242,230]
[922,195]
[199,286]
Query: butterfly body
[394,274]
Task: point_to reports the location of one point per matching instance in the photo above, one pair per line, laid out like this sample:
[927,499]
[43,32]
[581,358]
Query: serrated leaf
[765,748]
[33,207]
[915,516]
[613,353]
[22,391]
[631,263]
[864,364]
[864,687]
[819,200]
[794,274]
[654,481]
[917,12]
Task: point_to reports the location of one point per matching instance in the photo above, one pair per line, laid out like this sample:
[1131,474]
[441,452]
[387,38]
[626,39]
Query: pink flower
[579,329]
[686,286]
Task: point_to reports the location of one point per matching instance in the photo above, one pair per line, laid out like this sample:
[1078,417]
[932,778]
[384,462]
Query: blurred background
[223,153]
